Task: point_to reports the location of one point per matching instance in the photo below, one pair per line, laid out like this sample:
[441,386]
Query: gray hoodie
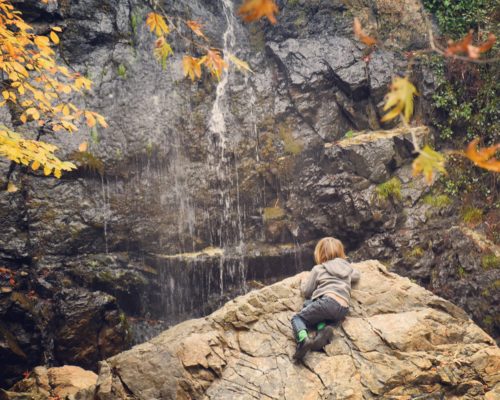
[333,276]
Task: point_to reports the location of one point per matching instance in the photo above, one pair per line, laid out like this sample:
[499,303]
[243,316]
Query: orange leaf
[191,67]
[54,37]
[253,10]
[196,28]
[214,62]
[484,158]
[460,46]
[358,31]
[83,147]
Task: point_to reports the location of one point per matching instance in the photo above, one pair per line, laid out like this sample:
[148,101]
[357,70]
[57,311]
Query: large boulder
[398,341]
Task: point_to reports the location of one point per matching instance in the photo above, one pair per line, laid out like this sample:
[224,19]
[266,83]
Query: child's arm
[355,275]
[310,283]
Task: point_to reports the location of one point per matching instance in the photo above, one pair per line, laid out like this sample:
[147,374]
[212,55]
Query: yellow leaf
[33,112]
[35,165]
[240,64]
[57,29]
[5,95]
[57,173]
[427,162]
[401,98]
[47,170]
[253,10]
[11,188]
[83,147]
[54,37]
[157,23]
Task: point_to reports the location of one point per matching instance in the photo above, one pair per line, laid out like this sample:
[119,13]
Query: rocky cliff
[398,342]
[181,204]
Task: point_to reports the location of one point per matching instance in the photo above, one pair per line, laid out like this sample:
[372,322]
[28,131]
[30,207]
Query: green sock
[320,326]
[302,335]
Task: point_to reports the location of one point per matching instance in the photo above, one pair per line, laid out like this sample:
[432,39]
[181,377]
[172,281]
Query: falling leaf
[196,28]
[465,46]
[427,162]
[240,64]
[400,99]
[358,31]
[192,67]
[11,188]
[157,23]
[83,147]
[253,10]
[484,158]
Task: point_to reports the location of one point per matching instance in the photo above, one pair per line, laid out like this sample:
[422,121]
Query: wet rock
[96,314]
[397,341]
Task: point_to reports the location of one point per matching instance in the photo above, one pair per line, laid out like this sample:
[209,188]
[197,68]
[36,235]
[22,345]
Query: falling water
[230,226]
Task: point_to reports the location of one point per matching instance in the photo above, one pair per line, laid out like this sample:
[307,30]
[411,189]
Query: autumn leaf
[83,146]
[196,28]
[162,51]
[157,24]
[240,64]
[358,31]
[484,158]
[54,37]
[400,99]
[427,162]
[465,46]
[253,10]
[192,67]
[11,188]
[214,62]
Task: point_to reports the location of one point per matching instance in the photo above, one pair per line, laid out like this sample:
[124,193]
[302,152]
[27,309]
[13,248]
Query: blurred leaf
[400,99]
[427,162]
[484,158]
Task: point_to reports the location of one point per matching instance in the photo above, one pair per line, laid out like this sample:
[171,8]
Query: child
[329,287]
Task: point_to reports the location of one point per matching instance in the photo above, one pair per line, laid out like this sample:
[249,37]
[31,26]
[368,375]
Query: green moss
[87,160]
[290,144]
[488,320]
[472,215]
[416,252]
[349,134]
[485,293]
[134,22]
[439,201]
[391,188]
[121,71]
[461,272]
[271,213]
[490,261]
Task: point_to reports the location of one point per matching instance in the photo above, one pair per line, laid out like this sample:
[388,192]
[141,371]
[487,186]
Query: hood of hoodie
[338,267]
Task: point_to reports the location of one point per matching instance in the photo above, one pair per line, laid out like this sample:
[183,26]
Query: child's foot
[323,337]
[302,348]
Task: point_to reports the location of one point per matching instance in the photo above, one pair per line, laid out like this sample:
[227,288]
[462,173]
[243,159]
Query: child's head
[327,249]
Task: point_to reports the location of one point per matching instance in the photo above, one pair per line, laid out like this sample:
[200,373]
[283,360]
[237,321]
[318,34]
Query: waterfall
[230,230]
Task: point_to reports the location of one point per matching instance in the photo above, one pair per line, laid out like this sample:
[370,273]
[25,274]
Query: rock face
[281,173]
[68,382]
[398,341]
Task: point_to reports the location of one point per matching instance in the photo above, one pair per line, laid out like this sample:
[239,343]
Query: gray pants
[324,309]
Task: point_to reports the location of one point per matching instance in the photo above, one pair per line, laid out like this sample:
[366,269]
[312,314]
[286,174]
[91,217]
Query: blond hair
[327,249]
